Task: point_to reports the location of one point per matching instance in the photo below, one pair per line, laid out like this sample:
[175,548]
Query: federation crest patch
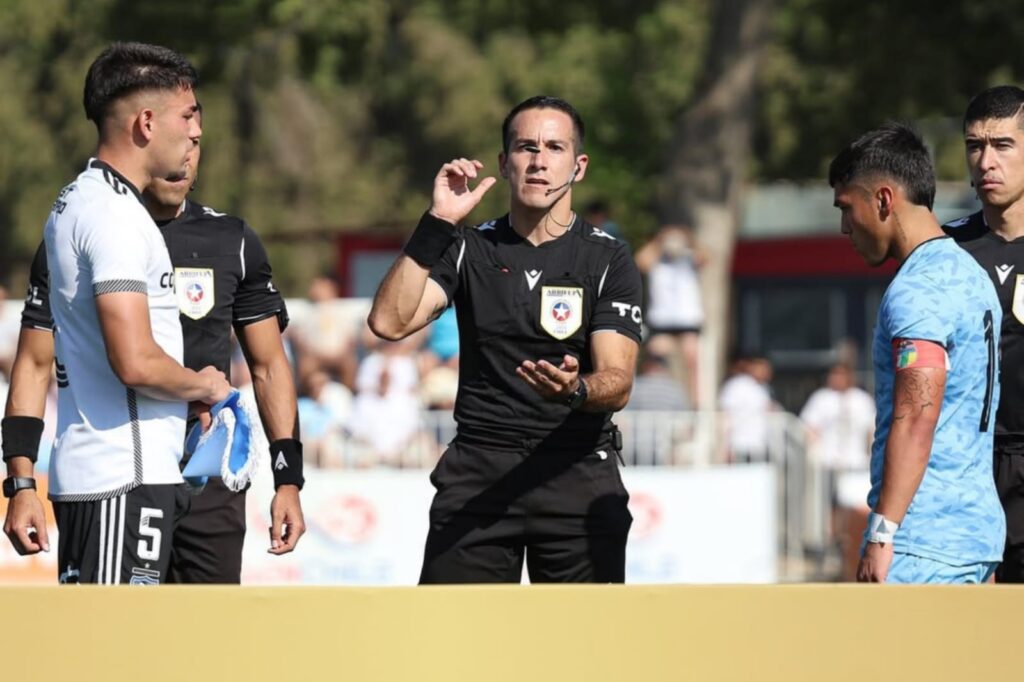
[194,289]
[561,310]
[1018,299]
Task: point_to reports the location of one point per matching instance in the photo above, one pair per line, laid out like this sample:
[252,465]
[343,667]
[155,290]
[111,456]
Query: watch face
[13,484]
[578,397]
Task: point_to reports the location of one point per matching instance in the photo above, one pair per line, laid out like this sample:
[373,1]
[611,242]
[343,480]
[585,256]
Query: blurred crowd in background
[364,402]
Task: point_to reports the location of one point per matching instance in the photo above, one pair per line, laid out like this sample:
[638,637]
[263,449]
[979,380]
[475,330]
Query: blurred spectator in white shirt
[746,400]
[674,309]
[840,420]
[386,410]
[325,338]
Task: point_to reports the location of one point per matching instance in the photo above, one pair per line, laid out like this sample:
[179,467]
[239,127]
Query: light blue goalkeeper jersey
[941,294]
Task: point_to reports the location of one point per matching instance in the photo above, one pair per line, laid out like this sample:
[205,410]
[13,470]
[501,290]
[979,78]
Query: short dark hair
[126,68]
[895,151]
[544,102]
[1002,101]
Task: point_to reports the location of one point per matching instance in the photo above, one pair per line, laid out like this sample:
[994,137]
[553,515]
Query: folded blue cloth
[230,448]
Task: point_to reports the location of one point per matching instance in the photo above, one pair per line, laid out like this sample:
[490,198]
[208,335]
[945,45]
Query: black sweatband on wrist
[21,437]
[430,240]
[286,462]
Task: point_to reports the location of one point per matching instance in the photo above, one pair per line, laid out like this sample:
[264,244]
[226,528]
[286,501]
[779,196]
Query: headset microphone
[568,183]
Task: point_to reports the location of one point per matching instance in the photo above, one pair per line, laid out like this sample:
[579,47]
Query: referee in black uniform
[222,279]
[994,141]
[549,326]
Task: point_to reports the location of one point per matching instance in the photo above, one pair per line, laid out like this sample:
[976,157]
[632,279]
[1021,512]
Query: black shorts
[562,511]
[1008,469]
[208,542]
[120,540]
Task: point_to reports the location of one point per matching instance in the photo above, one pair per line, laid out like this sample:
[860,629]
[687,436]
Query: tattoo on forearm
[916,390]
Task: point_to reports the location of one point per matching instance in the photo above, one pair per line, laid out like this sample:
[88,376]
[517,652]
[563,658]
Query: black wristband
[286,462]
[21,437]
[430,240]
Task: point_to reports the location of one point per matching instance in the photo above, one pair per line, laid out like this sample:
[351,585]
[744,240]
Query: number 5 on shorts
[152,552]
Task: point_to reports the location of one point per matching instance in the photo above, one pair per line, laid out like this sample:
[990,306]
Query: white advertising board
[715,525]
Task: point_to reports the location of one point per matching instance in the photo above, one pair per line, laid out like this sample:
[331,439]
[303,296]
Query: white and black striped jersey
[222,279]
[110,438]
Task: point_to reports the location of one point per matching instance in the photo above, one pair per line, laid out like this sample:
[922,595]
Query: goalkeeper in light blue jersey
[936,517]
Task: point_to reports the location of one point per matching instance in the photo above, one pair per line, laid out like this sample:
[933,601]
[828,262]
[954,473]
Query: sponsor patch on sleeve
[910,353]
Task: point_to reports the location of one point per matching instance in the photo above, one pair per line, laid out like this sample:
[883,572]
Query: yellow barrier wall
[526,634]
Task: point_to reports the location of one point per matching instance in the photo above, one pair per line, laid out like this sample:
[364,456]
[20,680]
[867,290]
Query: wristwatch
[579,396]
[13,484]
[881,530]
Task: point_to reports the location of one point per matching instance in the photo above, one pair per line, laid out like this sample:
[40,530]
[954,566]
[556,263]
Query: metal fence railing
[676,439]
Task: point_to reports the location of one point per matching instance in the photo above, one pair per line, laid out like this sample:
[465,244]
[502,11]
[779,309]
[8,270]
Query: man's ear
[582,161]
[502,159]
[144,122]
[884,197]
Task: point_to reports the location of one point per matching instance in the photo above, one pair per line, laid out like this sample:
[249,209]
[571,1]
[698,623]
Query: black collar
[107,168]
[192,209]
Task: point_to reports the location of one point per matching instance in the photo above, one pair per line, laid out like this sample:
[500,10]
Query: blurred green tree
[325,116]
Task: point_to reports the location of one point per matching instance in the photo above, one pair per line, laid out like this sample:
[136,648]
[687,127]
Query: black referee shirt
[222,278]
[515,301]
[1004,263]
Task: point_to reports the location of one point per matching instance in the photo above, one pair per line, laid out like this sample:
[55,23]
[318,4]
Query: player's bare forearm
[404,303]
[26,397]
[159,376]
[609,385]
[30,374]
[917,401]
[30,380]
[20,466]
[272,379]
[608,390]
[138,361]
[275,398]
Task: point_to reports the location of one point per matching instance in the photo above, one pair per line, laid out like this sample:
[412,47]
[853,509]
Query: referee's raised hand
[453,199]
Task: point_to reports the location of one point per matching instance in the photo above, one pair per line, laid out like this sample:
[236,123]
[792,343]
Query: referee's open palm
[453,199]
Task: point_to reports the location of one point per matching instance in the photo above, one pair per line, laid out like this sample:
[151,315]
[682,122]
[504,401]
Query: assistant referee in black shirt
[549,326]
[994,145]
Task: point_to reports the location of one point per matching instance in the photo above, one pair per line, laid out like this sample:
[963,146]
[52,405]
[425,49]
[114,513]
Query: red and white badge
[194,289]
[561,310]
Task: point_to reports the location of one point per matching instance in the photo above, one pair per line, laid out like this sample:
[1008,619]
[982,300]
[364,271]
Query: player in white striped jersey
[123,392]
